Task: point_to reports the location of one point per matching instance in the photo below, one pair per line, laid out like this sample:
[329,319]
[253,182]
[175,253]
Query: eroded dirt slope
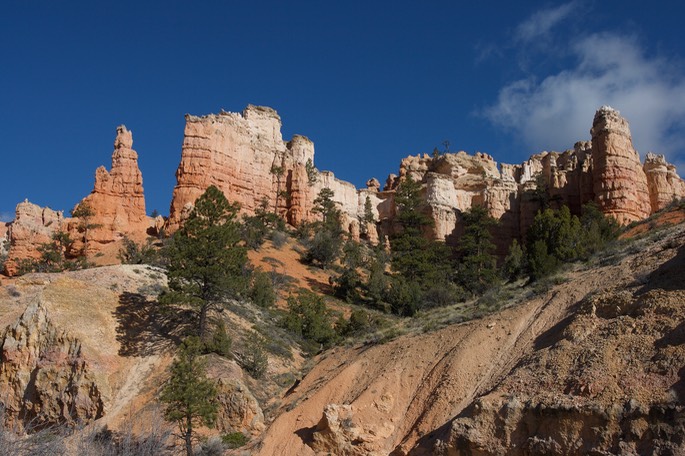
[608,335]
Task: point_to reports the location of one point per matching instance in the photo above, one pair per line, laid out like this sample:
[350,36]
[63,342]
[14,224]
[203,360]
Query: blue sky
[368,82]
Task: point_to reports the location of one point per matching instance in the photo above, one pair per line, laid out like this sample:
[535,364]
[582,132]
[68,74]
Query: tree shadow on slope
[144,328]
[668,276]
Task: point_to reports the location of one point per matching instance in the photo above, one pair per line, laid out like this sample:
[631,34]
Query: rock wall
[117,207]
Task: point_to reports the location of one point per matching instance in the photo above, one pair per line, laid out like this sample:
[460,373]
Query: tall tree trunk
[189,436]
[203,322]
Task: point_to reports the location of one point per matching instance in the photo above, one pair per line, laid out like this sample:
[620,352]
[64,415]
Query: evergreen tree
[415,257]
[324,246]
[85,214]
[190,397]
[478,265]
[206,262]
[514,263]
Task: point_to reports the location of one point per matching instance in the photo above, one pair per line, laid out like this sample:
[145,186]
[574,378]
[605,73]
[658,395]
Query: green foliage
[514,263]
[349,281]
[599,229]
[323,248]
[220,342]
[312,173]
[309,317]
[442,295]
[414,257]
[556,237]
[234,440]
[257,228]
[255,360]
[53,257]
[189,396]
[132,253]
[478,265]
[262,291]
[405,296]
[205,261]
[328,209]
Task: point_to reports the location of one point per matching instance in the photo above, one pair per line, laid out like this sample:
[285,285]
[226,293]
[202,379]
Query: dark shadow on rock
[307,435]
[672,338]
[145,328]
[556,332]
[668,276]
[426,444]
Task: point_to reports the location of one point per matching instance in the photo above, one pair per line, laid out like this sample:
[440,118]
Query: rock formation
[117,201]
[116,206]
[620,184]
[32,226]
[44,379]
[606,170]
[245,156]
[663,182]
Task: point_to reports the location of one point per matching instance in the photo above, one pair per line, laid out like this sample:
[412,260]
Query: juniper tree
[205,260]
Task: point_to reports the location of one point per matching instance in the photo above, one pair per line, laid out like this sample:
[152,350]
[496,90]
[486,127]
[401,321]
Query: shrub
[234,440]
[262,291]
[254,359]
[220,342]
[309,317]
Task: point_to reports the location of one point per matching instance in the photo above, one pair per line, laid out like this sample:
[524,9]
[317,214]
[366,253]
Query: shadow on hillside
[668,276]
[144,328]
[319,287]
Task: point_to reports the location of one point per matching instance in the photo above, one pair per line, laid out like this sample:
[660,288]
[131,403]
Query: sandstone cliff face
[244,155]
[117,200]
[32,226]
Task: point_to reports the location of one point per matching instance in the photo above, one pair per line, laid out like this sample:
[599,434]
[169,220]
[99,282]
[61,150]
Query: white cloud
[609,69]
[541,23]
[6,217]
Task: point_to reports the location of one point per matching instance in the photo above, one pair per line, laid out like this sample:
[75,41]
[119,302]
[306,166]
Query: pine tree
[190,397]
[324,247]
[206,262]
[478,265]
[414,256]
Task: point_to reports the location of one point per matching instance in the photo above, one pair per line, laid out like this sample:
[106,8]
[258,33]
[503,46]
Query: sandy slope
[403,395]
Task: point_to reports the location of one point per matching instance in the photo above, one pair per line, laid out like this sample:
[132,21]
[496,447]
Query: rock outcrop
[609,383]
[117,201]
[32,226]
[115,209]
[663,182]
[44,379]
